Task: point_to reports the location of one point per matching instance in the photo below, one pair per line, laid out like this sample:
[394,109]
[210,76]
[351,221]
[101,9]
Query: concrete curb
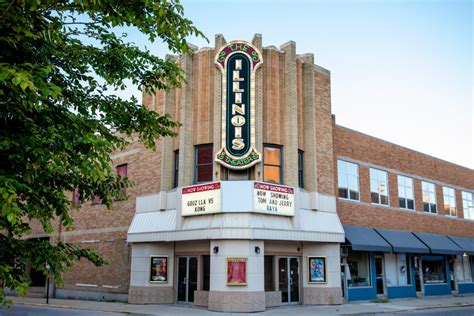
[78,308]
[415,309]
[147,313]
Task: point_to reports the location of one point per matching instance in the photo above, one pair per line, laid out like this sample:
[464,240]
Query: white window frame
[405,188]
[463,267]
[468,205]
[347,176]
[451,199]
[378,187]
[429,201]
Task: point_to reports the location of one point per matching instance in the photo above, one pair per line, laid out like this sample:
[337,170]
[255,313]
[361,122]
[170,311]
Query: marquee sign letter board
[238,61]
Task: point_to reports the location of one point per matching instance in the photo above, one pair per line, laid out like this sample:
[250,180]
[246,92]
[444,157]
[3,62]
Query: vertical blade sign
[238,61]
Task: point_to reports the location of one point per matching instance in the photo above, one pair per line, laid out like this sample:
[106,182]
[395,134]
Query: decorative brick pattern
[151,295]
[241,302]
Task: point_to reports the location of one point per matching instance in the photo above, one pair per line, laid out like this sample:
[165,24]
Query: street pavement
[440,305]
[28,310]
[458,311]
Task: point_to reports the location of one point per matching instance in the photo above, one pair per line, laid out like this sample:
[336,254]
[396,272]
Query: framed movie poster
[158,269]
[236,271]
[317,269]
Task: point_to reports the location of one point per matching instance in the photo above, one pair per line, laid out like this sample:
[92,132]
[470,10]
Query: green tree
[58,123]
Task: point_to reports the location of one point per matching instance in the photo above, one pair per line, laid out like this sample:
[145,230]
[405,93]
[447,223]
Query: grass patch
[379,300]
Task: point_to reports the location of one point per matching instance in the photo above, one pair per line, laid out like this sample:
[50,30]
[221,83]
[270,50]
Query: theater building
[263,200]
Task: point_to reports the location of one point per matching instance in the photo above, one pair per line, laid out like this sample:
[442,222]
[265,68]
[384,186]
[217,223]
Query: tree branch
[7,9]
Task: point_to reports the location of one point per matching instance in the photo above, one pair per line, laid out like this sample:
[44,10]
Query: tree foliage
[58,122]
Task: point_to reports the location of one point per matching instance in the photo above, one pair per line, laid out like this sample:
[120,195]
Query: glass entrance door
[452,276]
[289,279]
[418,273]
[380,275]
[187,279]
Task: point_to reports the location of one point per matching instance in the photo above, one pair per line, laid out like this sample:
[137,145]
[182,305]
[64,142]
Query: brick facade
[367,152]
[294,96]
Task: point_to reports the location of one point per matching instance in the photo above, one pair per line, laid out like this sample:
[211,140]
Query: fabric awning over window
[466,244]
[439,244]
[365,239]
[402,241]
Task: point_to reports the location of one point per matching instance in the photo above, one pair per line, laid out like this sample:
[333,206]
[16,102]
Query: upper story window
[300,169]
[429,197]
[272,164]
[203,163]
[122,171]
[468,205]
[348,180]
[176,169]
[405,193]
[378,186]
[449,198]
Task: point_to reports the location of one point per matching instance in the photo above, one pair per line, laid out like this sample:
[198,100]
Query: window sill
[378,204]
[346,199]
[407,209]
[451,216]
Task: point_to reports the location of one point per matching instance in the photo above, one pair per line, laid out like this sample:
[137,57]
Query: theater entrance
[289,279]
[187,279]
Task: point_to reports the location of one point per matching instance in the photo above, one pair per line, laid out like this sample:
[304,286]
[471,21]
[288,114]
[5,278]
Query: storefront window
[434,269]
[463,268]
[397,268]
[359,269]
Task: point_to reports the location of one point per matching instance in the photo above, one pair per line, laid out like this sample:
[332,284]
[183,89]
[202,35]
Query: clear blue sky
[401,70]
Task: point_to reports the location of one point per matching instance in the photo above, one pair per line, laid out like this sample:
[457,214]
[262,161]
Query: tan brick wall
[273,96]
[299,103]
[369,151]
[113,277]
[324,140]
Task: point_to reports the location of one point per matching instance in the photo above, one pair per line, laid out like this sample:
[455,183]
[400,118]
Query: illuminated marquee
[238,62]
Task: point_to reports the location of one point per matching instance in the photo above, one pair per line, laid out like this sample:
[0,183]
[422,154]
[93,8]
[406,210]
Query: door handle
[185,280]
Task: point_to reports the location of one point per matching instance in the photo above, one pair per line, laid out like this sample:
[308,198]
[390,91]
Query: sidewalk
[394,305]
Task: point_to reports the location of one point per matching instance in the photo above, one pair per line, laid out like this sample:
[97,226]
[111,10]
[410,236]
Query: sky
[401,71]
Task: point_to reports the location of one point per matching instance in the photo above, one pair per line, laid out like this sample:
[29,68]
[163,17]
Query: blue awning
[365,239]
[466,244]
[439,244]
[402,241]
